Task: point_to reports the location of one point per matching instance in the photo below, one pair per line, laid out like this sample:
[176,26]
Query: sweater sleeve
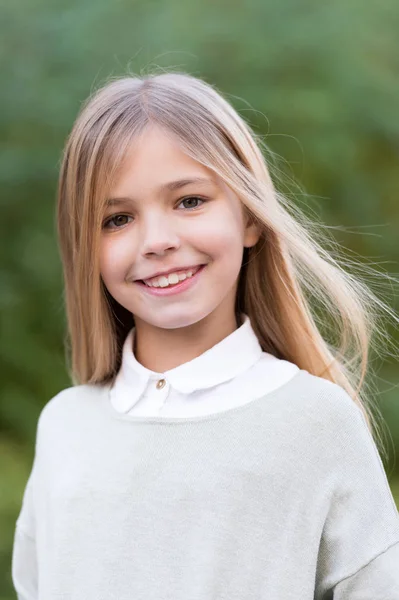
[24,570]
[359,550]
[378,580]
[24,566]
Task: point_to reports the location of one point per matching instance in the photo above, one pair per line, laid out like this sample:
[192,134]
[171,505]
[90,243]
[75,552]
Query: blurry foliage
[318,79]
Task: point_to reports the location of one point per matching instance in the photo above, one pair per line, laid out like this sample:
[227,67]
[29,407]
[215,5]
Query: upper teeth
[164,281]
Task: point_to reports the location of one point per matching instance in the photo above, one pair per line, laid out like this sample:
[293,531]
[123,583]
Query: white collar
[230,357]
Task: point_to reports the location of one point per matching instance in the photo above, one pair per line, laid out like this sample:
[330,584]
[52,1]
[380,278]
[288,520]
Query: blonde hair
[303,305]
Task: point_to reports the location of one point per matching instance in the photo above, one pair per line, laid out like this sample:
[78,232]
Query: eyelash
[109,219]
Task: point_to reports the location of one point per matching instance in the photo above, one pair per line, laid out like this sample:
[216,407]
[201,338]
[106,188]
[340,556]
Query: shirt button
[160,384]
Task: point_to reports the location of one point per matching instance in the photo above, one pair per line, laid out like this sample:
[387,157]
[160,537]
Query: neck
[160,349]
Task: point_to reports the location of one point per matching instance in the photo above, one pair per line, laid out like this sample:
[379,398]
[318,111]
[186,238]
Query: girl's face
[152,226]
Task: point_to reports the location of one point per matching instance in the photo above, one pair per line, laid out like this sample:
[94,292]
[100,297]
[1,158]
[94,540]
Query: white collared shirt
[231,373]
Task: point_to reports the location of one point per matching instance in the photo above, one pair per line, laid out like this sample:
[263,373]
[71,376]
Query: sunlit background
[319,79]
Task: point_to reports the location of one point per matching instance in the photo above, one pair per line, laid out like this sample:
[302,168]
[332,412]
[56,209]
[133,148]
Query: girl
[215,443]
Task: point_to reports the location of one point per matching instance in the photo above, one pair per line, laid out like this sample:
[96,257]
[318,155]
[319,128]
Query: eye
[116,219]
[120,220]
[192,198]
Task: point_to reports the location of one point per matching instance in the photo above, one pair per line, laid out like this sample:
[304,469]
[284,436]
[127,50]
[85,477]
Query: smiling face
[150,228]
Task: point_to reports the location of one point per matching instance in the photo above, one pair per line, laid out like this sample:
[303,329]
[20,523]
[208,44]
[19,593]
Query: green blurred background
[318,78]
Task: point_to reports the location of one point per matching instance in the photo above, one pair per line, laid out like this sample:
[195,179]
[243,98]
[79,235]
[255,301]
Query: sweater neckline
[158,420]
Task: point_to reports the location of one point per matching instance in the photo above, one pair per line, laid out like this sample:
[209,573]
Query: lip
[165,273]
[174,289]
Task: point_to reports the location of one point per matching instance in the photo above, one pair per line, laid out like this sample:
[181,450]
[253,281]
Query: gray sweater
[284,497]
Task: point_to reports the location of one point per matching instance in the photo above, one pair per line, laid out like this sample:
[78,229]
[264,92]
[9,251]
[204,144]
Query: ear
[252,232]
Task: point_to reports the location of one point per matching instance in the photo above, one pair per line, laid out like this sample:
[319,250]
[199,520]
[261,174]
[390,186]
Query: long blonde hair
[303,305]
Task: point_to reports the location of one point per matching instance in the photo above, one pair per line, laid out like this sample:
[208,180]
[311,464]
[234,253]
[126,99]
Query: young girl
[215,444]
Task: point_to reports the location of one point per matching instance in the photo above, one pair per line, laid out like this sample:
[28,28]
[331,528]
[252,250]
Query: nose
[159,235]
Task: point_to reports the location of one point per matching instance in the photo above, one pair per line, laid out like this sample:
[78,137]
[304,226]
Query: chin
[174,321]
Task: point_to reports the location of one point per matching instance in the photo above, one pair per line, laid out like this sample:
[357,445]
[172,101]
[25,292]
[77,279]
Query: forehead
[154,159]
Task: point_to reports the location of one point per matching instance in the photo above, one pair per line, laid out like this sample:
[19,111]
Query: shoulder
[304,390]
[324,395]
[326,406]
[328,426]
[69,403]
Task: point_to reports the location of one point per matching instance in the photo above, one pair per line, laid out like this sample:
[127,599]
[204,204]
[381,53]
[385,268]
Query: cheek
[221,234]
[114,260]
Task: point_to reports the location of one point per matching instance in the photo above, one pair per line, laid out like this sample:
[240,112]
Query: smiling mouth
[169,289]
[179,273]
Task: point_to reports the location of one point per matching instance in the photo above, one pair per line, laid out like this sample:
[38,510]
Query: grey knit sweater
[282,498]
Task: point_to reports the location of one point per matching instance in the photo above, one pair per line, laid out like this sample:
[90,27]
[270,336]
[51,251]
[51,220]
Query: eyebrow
[171,186]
